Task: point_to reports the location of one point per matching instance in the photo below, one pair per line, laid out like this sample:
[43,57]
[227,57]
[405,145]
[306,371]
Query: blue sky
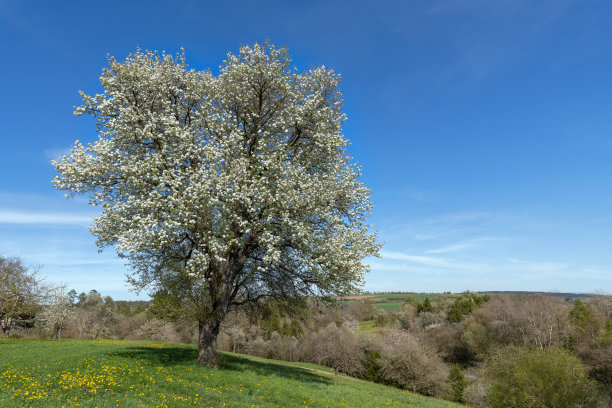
[484,128]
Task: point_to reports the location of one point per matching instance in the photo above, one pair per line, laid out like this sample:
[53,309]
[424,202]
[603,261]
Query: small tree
[21,292]
[58,313]
[226,189]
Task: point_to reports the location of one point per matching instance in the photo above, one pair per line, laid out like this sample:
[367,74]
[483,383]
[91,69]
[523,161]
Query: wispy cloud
[463,245]
[35,217]
[434,262]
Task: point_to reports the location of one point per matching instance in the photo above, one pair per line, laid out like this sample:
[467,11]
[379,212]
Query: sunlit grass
[73,373]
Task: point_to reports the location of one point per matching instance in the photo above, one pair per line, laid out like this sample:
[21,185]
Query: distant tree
[94,316]
[226,189]
[58,313]
[21,293]
[464,305]
[424,307]
[72,296]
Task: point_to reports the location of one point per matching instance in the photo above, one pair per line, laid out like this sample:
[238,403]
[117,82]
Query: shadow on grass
[238,363]
[174,356]
[166,356]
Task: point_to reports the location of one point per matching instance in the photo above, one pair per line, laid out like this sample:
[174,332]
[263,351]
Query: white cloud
[452,248]
[35,217]
[434,262]
[467,244]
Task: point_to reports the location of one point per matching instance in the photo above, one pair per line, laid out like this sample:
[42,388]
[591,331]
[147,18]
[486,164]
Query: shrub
[409,364]
[158,330]
[476,340]
[535,321]
[464,305]
[598,359]
[384,318]
[338,348]
[584,321]
[458,384]
[539,378]
[426,306]
[477,389]
[430,320]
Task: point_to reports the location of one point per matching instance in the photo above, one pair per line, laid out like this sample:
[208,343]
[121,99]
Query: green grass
[393,301]
[72,373]
[367,326]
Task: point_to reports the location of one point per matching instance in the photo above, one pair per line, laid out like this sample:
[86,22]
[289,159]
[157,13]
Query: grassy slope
[144,374]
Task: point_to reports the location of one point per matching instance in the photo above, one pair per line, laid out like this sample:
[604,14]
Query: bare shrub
[602,305]
[335,347]
[447,340]
[360,309]
[539,321]
[409,364]
[406,316]
[283,348]
[476,393]
[429,320]
[259,347]
[128,326]
[236,339]
[158,330]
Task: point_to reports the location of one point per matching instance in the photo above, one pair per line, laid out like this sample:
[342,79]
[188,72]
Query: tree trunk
[207,343]
[210,323]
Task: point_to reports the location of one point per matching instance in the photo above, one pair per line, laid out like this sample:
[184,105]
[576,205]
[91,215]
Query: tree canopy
[224,189]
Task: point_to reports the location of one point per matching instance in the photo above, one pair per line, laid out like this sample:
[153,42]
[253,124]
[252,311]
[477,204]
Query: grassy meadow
[108,373]
[393,301]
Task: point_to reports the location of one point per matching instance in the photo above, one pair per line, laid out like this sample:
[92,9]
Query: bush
[338,348]
[598,359]
[409,364]
[158,330]
[477,389]
[584,321]
[425,307]
[458,384]
[464,305]
[430,320]
[539,378]
[533,321]
[476,340]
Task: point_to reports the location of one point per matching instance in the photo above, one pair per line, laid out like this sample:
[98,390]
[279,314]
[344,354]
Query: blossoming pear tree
[224,188]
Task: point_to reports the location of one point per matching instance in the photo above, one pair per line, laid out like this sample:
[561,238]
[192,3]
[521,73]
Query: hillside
[144,374]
